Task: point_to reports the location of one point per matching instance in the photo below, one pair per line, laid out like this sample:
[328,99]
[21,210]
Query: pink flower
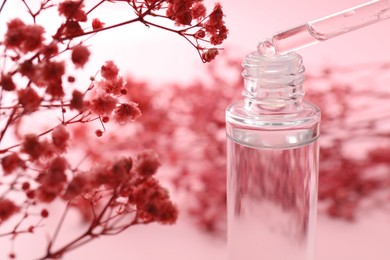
[210,54]
[25,38]
[101,176]
[80,56]
[109,70]
[7,209]
[127,113]
[198,10]
[77,101]
[147,163]
[120,171]
[32,146]
[11,162]
[57,168]
[153,203]
[215,18]
[55,90]
[200,34]
[28,69]
[52,71]
[122,166]
[97,24]
[180,11]
[14,36]
[79,184]
[33,38]
[44,194]
[73,10]
[7,83]
[103,105]
[60,137]
[220,36]
[52,180]
[50,50]
[29,99]
[164,212]
[114,86]
[215,26]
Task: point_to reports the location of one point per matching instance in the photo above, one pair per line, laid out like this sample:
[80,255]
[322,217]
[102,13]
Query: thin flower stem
[10,107]
[30,11]
[101,122]
[87,236]
[70,121]
[2,5]
[9,122]
[199,24]
[14,233]
[58,228]
[25,216]
[100,30]
[96,6]
[9,148]
[68,247]
[83,159]
[119,229]
[180,32]
[113,220]
[99,218]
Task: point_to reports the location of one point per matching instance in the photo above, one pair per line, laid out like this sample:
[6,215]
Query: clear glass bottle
[272,163]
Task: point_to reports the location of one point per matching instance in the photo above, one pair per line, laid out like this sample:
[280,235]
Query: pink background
[160,56]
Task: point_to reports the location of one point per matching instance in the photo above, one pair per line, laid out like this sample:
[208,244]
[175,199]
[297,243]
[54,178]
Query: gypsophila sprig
[45,110]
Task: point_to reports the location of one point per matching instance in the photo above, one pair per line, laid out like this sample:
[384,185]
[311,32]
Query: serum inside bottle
[272,149]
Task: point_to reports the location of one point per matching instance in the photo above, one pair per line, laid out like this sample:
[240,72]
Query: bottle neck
[273,84]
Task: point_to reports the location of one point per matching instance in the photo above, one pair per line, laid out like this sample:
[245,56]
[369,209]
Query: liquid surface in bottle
[271,201]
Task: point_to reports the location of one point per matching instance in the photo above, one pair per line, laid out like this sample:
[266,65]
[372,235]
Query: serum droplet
[266,48]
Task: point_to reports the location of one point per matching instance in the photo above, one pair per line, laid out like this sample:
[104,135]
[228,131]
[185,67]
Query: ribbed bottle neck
[273,84]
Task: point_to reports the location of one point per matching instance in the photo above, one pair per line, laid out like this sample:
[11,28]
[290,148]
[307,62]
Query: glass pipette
[324,28]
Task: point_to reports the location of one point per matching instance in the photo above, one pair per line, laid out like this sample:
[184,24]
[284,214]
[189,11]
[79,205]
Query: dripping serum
[272,162]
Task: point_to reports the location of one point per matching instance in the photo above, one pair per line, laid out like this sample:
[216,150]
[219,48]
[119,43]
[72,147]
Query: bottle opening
[273,82]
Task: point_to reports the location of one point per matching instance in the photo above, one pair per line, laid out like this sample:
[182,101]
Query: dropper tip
[267,48]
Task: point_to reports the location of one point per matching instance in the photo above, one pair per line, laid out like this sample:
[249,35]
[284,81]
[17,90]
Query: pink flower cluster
[22,37]
[7,209]
[132,183]
[74,13]
[73,10]
[107,104]
[45,162]
[183,12]
[199,27]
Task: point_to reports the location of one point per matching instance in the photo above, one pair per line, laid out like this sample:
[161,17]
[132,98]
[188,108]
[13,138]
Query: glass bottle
[272,163]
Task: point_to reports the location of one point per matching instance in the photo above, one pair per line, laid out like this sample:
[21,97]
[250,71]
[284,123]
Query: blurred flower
[7,209]
[73,10]
[127,112]
[80,56]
